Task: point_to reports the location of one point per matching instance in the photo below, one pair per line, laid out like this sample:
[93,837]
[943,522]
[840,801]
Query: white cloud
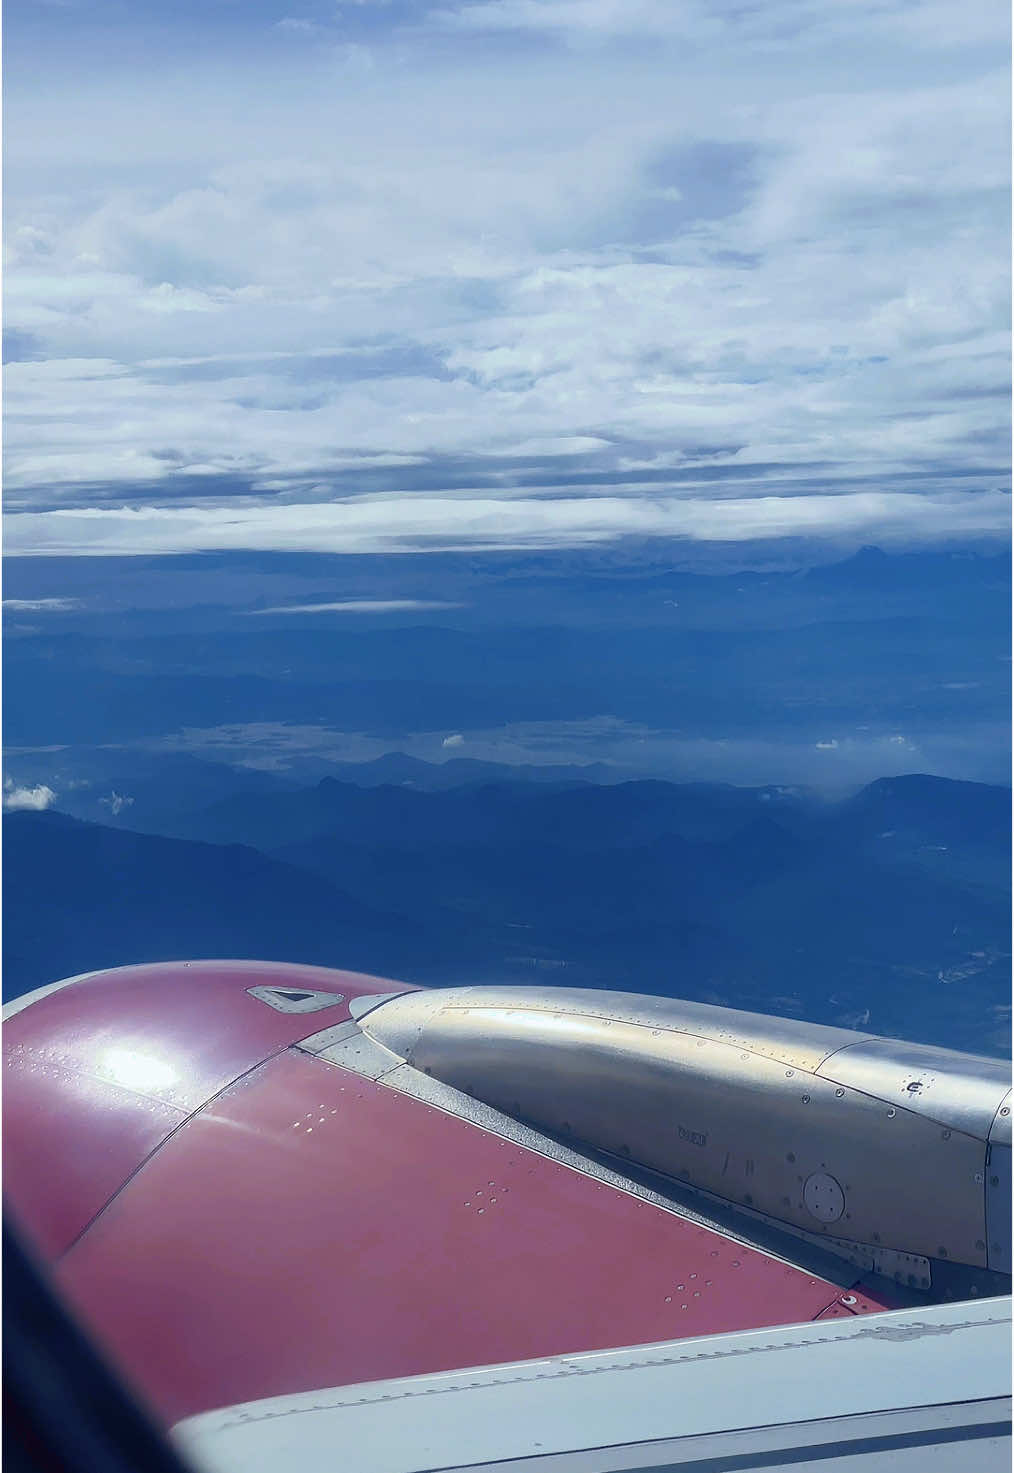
[775,232]
[40,605]
[116,802]
[408,524]
[361,606]
[456,740]
[831,746]
[36,799]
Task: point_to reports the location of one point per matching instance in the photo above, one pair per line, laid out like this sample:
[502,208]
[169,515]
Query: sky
[391,277]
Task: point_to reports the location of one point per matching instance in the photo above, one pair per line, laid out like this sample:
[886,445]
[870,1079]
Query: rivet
[994,1181]
[941,1252]
[791,1156]
[945,1135]
[891,1113]
[840,1093]
[849,1299]
[979,1243]
[806,1099]
[789,1073]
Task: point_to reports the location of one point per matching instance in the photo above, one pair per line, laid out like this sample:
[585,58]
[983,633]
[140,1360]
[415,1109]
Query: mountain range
[887,911]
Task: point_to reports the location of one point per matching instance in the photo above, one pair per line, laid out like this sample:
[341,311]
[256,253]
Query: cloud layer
[20,798]
[524,272]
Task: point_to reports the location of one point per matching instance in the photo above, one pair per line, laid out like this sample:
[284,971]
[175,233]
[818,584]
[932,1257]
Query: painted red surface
[96,1076]
[257,1228]
[313,1229]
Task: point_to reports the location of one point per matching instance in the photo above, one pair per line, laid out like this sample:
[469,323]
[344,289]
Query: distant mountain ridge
[584,814]
[80,896]
[889,910]
[456,772]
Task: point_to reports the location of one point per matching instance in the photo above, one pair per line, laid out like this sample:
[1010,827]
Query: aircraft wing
[294,1205]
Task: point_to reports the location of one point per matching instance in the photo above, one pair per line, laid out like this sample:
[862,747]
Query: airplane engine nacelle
[899,1150]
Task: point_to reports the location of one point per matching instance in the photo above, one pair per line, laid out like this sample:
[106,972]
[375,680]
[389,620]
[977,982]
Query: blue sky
[526,273]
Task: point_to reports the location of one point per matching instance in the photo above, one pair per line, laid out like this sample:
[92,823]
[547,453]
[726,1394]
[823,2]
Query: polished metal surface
[998,1190]
[925,1081]
[747,1107]
[786,1040]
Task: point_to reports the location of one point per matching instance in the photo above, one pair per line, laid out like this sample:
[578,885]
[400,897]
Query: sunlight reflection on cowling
[135,1070]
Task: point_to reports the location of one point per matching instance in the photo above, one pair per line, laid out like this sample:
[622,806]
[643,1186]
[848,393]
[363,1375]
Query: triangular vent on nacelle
[295,1000]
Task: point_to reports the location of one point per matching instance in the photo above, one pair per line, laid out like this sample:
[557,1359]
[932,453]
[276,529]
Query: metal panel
[926,1081]
[998,1189]
[904,1441]
[360,1054]
[295,1000]
[787,1040]
[1000,1130]
[319,1043]
[733,1113]
[946,1367]
[360,1006]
